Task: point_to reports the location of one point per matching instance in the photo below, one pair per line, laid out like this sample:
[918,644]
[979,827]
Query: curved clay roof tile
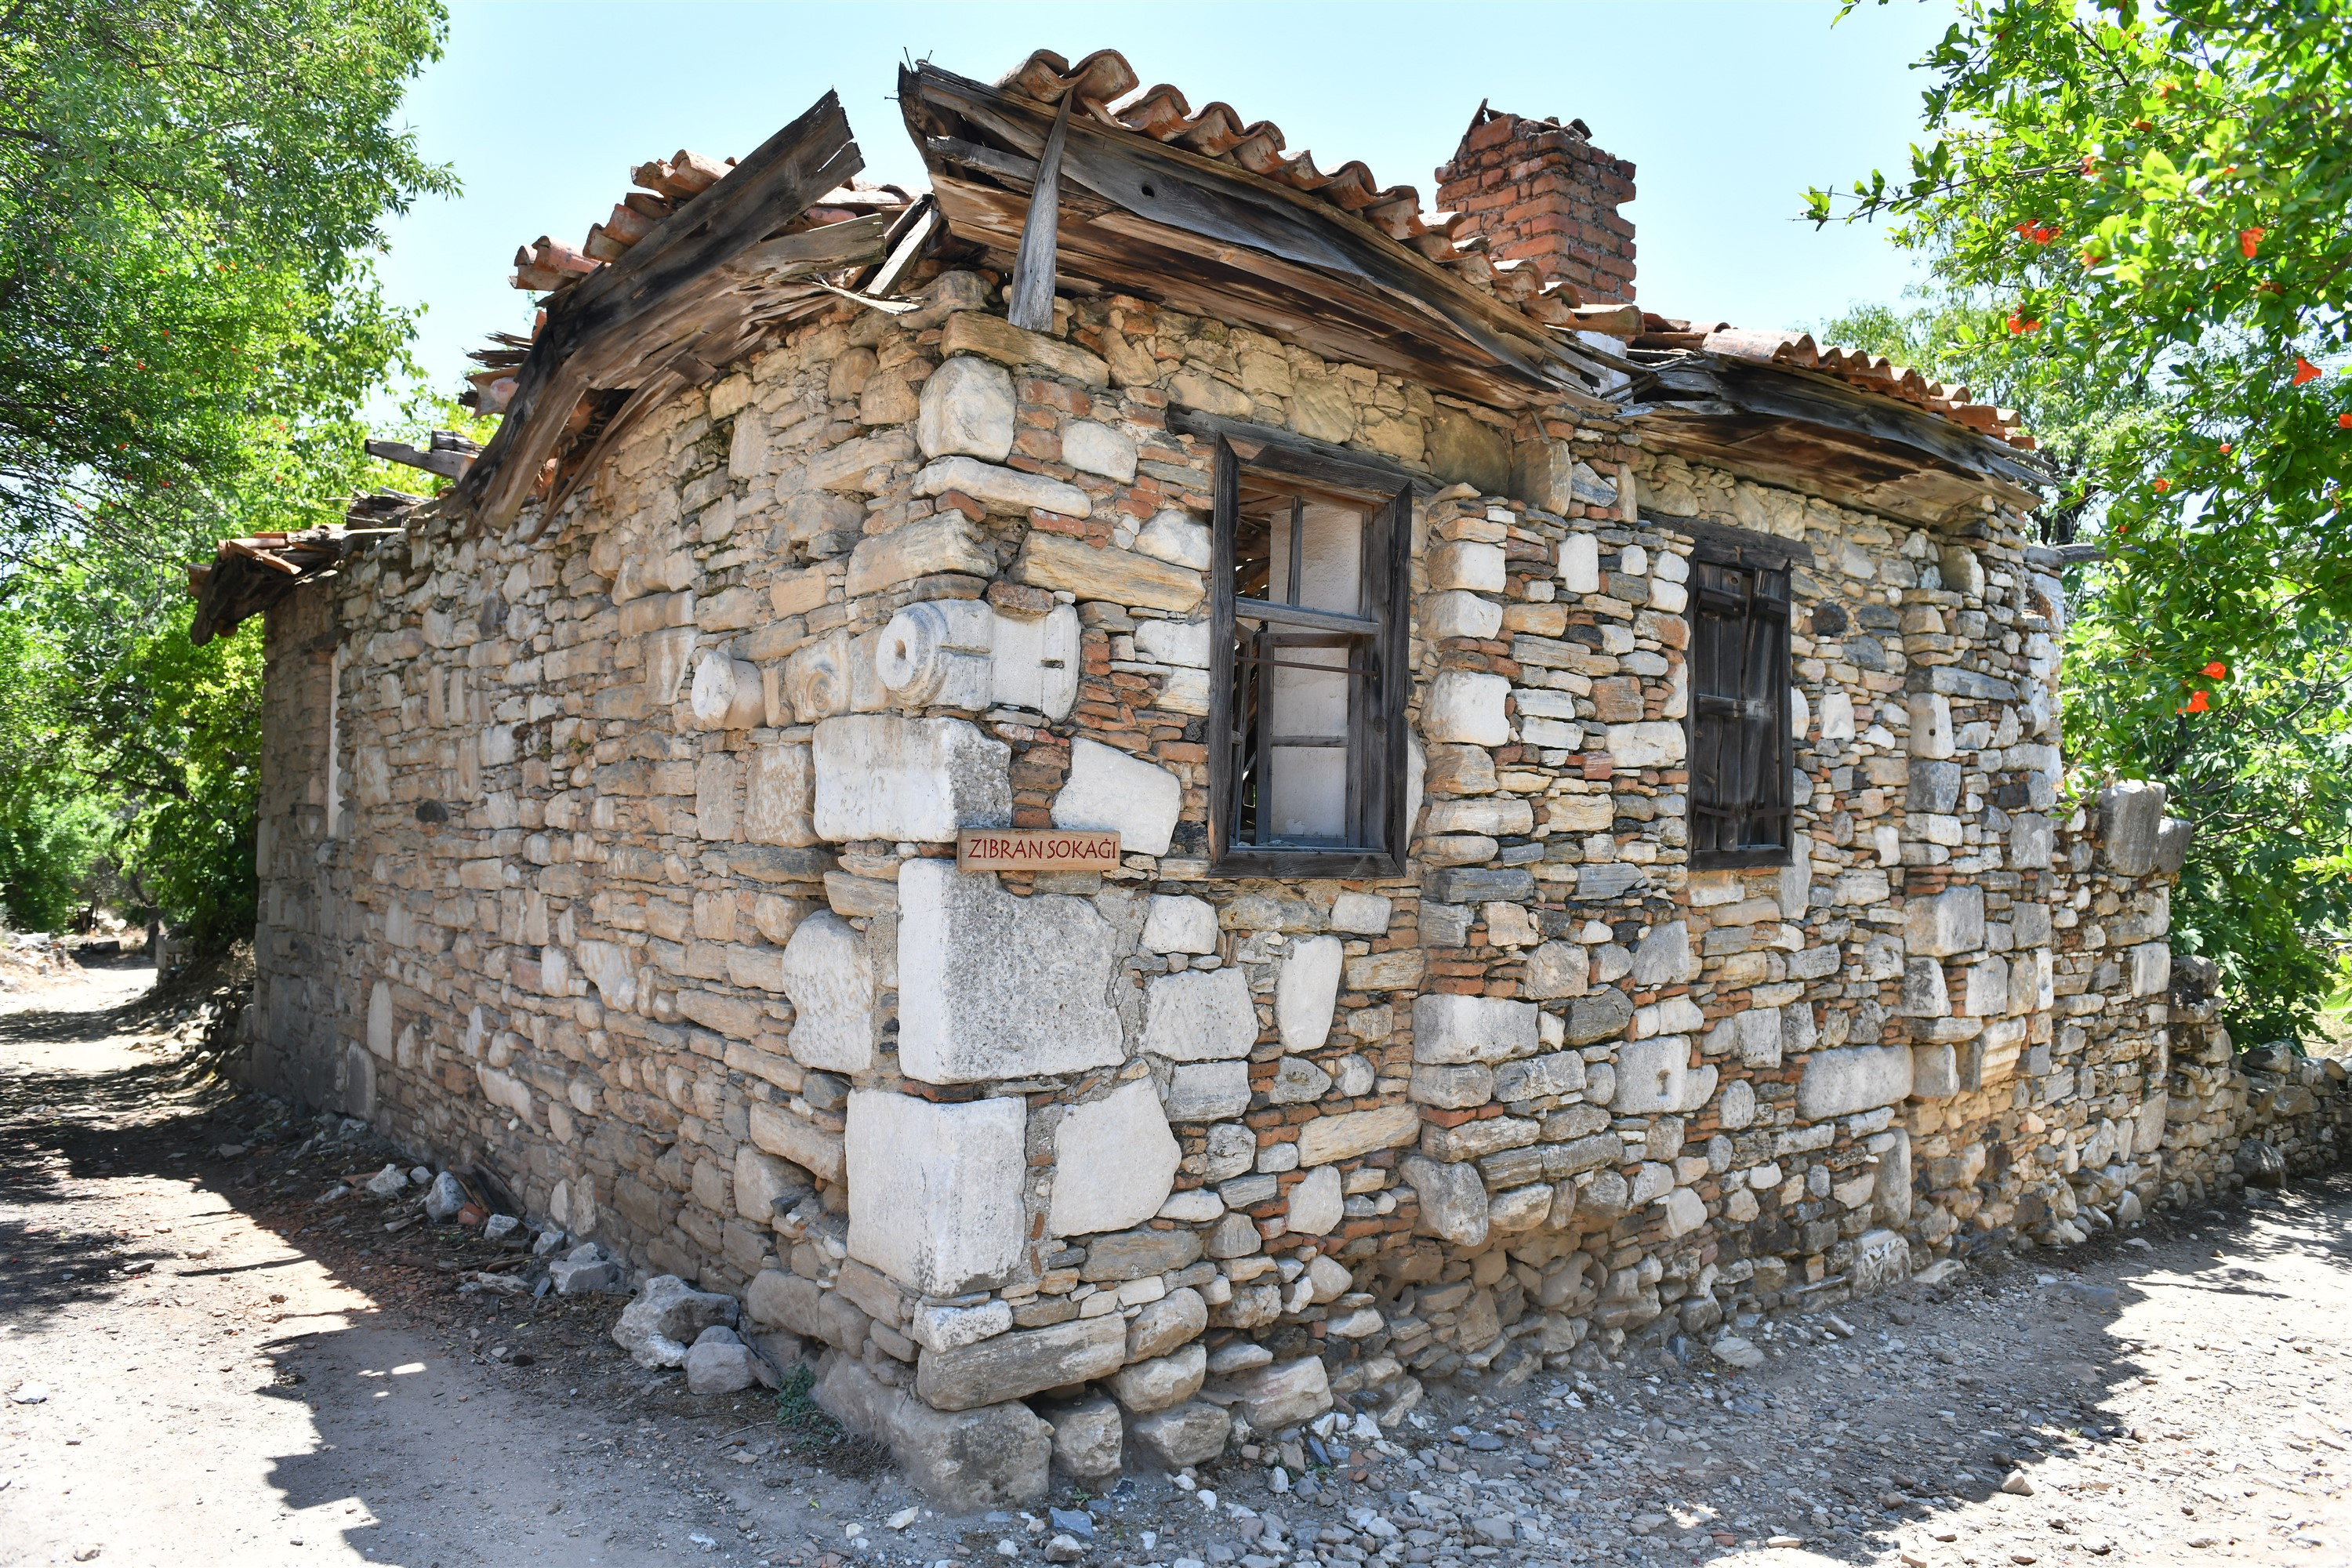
[1260,148]
[1159,112]
[1046,77]
[1105,85]
[1214,130]
[1353,186]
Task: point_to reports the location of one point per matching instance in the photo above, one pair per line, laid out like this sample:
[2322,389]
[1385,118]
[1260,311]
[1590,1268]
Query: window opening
[1308,776]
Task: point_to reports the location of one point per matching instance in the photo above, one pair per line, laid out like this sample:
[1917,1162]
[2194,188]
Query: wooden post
[1032,304]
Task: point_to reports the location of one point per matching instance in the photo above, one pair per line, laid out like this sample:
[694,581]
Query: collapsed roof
[694,293]
[1847,427]
[1208,214]
[249,574]
[1196,208]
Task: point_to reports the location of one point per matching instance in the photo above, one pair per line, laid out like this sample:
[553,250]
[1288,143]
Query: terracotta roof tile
[1110,92]
[548,263]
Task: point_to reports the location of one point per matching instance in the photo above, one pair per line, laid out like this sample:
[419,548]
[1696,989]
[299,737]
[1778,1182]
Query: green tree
[2137,220]
[189,194]
[190,191]
[2159,199]
[2267,891]
[53,830]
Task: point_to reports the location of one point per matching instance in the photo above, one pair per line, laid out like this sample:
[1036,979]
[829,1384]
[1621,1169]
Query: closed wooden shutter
[1741,804]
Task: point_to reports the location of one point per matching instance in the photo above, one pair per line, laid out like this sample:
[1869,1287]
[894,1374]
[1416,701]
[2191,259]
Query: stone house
[1521,823]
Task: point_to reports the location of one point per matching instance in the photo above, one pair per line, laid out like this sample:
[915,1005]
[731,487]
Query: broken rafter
[450,455]
[692,295]
[248,576]
[1030,301]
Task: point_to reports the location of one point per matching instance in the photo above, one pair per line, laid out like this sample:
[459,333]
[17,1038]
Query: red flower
[2022,324]
[2040,236]
[2305,371]
[2198,703]
[2217,670]
[2248,238]
[2225,449]
[2344,421]
[2162,486]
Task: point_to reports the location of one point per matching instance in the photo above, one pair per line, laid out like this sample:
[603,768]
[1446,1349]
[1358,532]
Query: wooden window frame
[1376,738]
[1764,557]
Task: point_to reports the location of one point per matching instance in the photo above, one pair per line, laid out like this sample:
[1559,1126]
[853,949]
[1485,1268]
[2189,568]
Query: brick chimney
[1540,190]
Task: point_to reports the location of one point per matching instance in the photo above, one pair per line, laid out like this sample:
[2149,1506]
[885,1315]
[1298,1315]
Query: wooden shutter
[1740,803]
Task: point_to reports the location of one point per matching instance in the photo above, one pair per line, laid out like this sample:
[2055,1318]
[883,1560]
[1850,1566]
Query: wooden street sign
[1037,849]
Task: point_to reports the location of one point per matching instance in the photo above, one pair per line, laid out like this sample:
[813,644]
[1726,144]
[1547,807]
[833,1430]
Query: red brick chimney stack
[1540,190]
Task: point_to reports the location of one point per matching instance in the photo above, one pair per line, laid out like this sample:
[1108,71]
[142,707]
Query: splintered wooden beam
[1811,432]
[590,335]
[1313,309]
[1031,302]
[908,237]
[448,463]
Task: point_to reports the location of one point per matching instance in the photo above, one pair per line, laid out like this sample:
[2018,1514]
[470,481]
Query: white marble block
[940,652]
[728,694]
[1177,922]
[1173,537]
[879,777]
[1114,1162]
[1093,448]
[1200,1015]
[1183,643]
[1108,788]
[966,408]
[1857,1078]
[1654,1075]
[1944,924]
[995,987]
[1458,613]
[1837,716]
[1451,1030]
[780,795]
[1014,490]
[935,1191]
[1036,663]
[959,653]
[1210,1091]
[1466,707]
[829,975]
[1931,724]
[1307,992]
[1316,1204]
[1579,563]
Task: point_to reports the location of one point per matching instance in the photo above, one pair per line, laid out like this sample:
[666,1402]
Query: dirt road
[202,1363]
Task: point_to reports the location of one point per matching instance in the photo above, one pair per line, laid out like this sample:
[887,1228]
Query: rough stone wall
[300,965]
[641,896]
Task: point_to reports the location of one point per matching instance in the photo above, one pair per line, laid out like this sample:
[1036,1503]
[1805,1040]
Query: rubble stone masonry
[618,860]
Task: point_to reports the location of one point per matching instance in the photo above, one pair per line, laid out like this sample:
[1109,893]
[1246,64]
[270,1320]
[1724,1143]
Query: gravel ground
[264,1378]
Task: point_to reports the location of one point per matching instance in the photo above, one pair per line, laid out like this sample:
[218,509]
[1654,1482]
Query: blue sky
[1729,111]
